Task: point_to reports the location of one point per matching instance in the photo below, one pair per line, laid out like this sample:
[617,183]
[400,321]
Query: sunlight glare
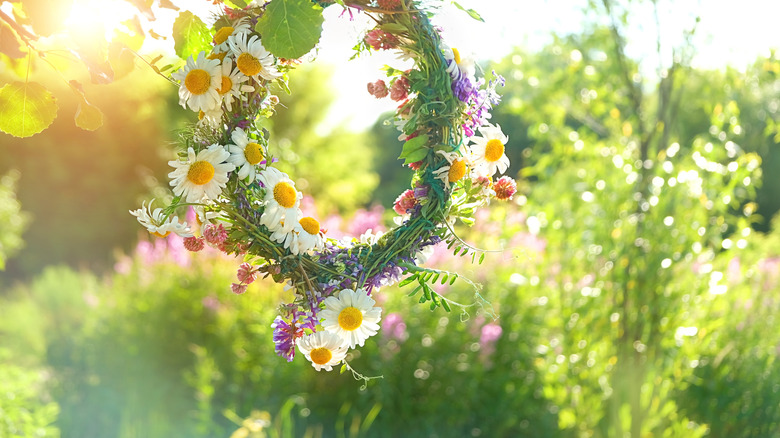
[108,13]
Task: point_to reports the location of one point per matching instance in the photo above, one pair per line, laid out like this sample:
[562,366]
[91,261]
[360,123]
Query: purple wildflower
[285,333]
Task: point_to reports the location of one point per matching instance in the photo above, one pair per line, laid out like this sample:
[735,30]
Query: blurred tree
[78,185]
[12,220]
[633,206]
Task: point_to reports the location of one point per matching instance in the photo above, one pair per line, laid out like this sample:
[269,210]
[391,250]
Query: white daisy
[352,316]
[211,118]
[488,151]
[322,349]
[231,84]
[281,200]
[245,154]
[203,217]
[241,26]
[252,59]
[200,81]
[309,235]
[288,238]
[203,174]
[304,236]
[458,168]
[457,67]
[157,224]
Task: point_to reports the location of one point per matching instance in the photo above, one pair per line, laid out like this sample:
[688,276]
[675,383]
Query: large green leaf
[290,28]
[26,108]
[190,35]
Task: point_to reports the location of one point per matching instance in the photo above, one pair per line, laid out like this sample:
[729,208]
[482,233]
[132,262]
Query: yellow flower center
[456,55]
[248,64]
[219,56]
[310,225]
[494,150]
[253,154]
[350,318]
[457,170]
[222,35]
[201,115]
[158,234]
[227,84]
[321,356]
[285,194]
[197,81]
[200,172]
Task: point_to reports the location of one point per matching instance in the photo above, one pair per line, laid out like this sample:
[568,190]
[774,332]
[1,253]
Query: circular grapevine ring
[247,207]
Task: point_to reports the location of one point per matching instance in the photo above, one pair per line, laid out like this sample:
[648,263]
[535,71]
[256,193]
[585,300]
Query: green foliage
[26,108]
[290,28]
[25,408]
[78,185]
[164,349]
[415,149]
[639,204]
[190,35]
[733,384]
[12,220]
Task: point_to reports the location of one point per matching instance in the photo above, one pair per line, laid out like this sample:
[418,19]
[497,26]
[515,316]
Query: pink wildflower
[400,89]
[405,201]
[489,335]
[393,327]
[238,288]
[377,89]
[379,39]
[389,5]
[505,188]
[193,243]
[215,234]
[416,165]
[246,273]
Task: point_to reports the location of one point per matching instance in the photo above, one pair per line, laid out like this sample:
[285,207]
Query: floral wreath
[247,207]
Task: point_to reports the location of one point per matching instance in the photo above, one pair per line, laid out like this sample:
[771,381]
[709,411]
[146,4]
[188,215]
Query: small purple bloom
[285,333]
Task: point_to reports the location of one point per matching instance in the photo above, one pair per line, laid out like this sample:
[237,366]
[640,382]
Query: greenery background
[637,294]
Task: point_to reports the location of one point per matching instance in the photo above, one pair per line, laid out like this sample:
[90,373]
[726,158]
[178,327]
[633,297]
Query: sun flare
[110,14]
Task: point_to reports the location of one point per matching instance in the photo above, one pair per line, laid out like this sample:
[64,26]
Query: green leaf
[472,13]
[414,150]
[290,28]
[407,280]
[190,35]
[393,27]
[121,59]
[445,305]
[26,108]
[88,116]
[343,369]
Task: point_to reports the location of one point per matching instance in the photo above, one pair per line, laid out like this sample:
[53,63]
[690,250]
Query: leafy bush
[26,409]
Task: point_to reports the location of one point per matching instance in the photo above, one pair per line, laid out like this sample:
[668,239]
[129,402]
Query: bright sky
[727,34]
